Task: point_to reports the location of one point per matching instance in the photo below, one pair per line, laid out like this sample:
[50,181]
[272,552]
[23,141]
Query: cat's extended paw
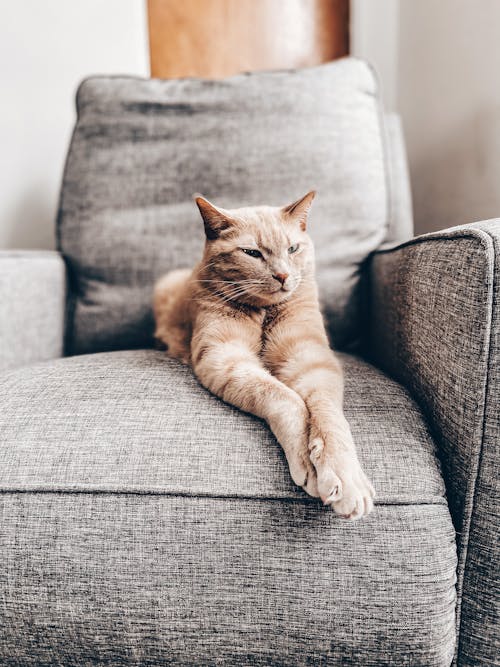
[341,481]
[357,497]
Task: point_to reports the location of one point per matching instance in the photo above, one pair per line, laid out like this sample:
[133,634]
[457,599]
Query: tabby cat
[247,320]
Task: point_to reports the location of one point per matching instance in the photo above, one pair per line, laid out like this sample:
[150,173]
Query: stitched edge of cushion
[110,489]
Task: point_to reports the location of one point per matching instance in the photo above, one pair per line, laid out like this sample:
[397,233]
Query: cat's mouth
[288,287]
[284,291]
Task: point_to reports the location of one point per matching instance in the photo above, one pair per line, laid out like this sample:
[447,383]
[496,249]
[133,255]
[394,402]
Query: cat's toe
[357,500]
[350,507]
[302,471]
[298,471]
[316,448]
[328,482]
[310,485]
[329,486]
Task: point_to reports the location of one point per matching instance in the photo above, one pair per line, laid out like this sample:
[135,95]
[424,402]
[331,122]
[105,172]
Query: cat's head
[257,256]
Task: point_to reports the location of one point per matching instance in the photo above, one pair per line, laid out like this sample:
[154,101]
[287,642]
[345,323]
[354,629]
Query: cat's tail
[167,288]
[168,298]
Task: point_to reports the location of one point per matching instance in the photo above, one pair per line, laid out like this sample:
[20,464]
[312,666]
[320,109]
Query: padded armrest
[32,306]
[435,326]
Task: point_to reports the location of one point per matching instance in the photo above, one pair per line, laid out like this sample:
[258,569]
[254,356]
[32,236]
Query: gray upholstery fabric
[133,421]
[436,328]
[142,147]
[146,522]
[32,306]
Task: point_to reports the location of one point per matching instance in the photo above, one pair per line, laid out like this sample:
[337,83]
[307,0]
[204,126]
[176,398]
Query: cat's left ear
[298,210]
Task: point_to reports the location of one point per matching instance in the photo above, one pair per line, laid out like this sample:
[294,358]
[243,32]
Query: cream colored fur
[251,328]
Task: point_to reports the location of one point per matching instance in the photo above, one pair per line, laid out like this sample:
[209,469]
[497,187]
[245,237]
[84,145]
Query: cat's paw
[292,432]
[357,497]
[341,481]
[328,483]
[302,470]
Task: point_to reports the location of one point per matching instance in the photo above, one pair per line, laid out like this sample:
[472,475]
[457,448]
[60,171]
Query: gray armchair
[145,522]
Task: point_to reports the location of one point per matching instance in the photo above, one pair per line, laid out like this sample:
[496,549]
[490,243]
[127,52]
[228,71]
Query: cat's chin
[272,299]
[281,295]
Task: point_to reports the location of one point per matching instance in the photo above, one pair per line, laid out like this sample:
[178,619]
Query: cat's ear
[215,219]
[298,210]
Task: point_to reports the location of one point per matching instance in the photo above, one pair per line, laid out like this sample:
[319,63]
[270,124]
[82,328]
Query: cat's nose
[281,277]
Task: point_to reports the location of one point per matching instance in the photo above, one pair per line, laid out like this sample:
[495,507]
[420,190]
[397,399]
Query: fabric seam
[491,265]
[199,494]
[465,232]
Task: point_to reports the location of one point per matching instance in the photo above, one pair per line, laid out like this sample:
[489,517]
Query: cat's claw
[335,495]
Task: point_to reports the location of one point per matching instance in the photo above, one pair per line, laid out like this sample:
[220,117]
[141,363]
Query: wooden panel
[217,38]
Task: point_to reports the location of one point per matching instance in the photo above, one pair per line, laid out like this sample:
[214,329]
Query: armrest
[435,326]
[32,306]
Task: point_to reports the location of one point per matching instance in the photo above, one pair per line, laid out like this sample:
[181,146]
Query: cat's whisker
[233,295]
[248,281]
[228,280]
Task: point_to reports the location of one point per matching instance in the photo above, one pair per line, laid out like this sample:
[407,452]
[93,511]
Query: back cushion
[142,147]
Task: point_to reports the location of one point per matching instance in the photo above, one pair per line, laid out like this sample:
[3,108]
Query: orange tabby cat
[247,320]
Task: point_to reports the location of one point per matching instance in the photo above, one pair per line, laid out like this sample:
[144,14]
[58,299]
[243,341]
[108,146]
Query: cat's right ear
[215,219]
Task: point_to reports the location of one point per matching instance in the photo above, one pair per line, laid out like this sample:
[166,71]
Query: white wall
[374,36]
[439,62]
[449,96]
[46,48]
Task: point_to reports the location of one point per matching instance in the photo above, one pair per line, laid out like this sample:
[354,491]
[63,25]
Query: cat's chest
[271,317]
[274,318]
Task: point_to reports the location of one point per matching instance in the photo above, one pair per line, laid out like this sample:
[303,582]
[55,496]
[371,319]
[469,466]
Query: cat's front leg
[305,363]
[226,364]
[333,454]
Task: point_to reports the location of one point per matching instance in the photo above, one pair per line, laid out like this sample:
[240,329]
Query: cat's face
[257,256]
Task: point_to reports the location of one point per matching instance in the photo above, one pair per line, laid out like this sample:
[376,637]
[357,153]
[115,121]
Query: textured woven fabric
[32,305]
[436,328]
[138,421]
[130,580]
[142,147]
[145,522]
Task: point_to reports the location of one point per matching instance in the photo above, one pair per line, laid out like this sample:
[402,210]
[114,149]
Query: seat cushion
[142,147]
[144,521]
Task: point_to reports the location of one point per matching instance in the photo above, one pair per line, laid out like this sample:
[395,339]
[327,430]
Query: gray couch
[144,521]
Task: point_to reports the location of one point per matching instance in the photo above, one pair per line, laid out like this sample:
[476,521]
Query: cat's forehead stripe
[270,239]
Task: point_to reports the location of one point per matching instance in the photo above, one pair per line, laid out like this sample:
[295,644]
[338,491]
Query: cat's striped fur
[247,320]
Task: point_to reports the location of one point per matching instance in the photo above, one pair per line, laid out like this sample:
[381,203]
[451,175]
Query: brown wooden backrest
[217,38]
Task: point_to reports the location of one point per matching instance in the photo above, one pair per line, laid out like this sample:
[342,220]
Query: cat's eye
[252,252]
[293,248]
